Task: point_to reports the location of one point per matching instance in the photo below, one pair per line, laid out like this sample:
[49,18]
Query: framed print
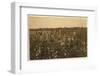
[51,38]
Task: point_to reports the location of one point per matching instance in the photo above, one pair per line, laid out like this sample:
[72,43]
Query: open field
[51,43]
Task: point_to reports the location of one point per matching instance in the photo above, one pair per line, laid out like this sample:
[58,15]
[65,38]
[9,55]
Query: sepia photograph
[56,37]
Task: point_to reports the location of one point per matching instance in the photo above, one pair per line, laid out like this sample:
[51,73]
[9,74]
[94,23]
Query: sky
[56,21]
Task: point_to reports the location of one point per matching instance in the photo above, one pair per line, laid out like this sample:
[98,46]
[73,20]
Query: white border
[19,19]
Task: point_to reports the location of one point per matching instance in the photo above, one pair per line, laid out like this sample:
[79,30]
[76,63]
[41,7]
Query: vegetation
[51,43]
